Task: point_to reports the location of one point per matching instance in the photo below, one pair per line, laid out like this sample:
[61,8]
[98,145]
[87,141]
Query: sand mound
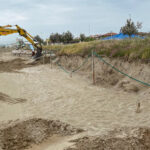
[12,65]
[8,99]
[21,135]
[18,64]
[120,139]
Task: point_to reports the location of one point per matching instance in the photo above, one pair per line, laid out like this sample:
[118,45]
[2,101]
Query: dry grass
[128,48]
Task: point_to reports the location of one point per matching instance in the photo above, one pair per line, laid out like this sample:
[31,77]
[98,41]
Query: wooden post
[50,60]
[93,67]
[43,57]
[71,74]
[49,57]
[138,109]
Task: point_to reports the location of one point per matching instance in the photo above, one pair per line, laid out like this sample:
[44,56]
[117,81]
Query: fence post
[71,74]
[138,109]
[93,67]
[49,57]
[50,60]
[43,57]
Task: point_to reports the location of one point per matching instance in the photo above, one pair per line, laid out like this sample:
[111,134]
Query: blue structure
[31,47]
[121,36]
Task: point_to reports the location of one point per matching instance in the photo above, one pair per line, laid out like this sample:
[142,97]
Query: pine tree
[130,27]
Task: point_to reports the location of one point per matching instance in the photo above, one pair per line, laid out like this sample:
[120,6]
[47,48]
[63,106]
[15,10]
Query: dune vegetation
[128,48]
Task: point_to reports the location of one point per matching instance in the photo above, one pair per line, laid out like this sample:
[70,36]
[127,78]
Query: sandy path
[55,143]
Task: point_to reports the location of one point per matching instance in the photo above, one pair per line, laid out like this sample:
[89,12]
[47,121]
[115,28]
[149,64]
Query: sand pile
[120,139]
[18,64]
[21,135]
[12,65]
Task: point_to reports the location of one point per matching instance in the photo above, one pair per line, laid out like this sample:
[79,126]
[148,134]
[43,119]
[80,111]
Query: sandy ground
[52,94]
[55,143]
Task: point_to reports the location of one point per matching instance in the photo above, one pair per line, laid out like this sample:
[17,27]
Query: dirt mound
[8,99]
[12,65]
[17,64]
[120,139]
[21,135]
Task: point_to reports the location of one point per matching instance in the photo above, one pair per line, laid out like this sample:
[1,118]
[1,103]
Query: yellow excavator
[6,30]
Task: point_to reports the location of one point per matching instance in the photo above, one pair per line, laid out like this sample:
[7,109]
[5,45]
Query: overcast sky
[44,17]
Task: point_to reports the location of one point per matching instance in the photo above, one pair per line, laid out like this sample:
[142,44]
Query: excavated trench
[108,77]
[104,75]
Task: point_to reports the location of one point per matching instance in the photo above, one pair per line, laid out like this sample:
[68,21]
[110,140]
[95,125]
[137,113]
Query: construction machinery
[6,30]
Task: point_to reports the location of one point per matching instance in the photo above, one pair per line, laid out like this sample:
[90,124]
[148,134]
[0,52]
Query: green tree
[67,37]
[39,39]
[88,39]
[56,38]
[76,40]
[82,37]
[130,27]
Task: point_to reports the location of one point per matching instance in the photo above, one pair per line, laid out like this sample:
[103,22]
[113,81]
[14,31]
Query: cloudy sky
[44,17]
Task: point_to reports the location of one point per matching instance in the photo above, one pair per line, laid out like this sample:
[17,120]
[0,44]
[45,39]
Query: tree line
[67,37]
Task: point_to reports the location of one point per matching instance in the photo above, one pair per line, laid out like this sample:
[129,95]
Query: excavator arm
[6,30]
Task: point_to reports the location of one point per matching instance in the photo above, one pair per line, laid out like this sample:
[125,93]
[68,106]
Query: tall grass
[128,48]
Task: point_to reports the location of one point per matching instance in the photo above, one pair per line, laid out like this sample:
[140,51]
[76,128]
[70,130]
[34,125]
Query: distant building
[108,34]
[48,41]
[97,36]
[143,33]
[121,36]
